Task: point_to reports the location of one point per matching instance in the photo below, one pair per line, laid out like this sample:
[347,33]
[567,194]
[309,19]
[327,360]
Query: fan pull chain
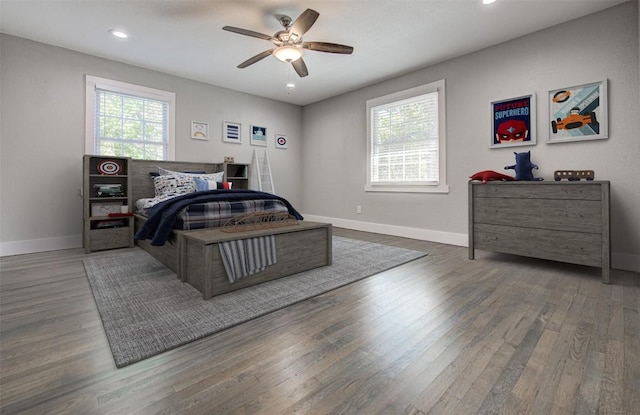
[290,85]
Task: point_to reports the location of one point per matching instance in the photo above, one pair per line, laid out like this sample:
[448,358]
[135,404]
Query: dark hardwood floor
[440,335]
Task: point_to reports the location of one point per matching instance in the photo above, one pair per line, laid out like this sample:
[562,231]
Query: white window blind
[129,120]
[406,140]
[130,126]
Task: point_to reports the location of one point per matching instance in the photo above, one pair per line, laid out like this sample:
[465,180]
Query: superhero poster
[578,113]
[513,122]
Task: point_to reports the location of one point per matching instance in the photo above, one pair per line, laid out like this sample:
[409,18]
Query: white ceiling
[185,37]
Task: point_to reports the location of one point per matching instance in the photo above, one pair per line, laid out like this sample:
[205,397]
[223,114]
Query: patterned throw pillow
[214,177]
[173,185]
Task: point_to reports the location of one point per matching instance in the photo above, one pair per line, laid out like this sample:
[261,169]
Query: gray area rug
[146,310]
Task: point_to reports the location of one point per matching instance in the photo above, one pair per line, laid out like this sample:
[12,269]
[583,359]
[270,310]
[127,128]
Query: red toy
[489,175]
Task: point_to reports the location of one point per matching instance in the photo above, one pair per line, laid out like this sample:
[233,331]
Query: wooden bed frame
[194,255]
[142,187]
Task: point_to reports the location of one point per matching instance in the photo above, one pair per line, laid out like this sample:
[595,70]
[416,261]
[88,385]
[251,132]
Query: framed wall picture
[578,113]
[232,132]
[281,141]
[199,130]
[513,122]
[258,136]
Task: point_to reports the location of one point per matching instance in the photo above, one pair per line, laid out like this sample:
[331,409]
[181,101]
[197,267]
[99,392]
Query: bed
[194,251]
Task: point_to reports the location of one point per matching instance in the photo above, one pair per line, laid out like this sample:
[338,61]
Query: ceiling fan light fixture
[288,53]
[289,45]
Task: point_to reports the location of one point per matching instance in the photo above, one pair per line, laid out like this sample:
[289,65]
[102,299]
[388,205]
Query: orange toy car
[573,120]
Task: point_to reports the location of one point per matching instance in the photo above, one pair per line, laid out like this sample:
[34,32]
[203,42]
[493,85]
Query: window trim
[93,82]
[442,185]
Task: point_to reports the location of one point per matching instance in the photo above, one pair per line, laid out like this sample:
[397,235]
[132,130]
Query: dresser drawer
[112,238]
[538,190]
[571,247]
[566,215]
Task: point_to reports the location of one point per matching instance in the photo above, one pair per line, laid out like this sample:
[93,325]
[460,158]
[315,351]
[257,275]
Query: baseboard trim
[619,260]
[448,238]
[627,262]
[31,246]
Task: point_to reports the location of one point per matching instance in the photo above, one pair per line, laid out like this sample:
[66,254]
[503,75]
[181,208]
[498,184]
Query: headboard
[142,183]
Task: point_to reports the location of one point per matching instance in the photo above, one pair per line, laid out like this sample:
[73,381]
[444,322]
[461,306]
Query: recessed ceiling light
[118,33]
[488,1]
[291,85]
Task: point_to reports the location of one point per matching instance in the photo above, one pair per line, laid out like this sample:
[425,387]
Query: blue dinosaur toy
[523,167]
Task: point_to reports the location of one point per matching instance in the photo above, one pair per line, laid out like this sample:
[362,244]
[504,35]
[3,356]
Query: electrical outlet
[358,209]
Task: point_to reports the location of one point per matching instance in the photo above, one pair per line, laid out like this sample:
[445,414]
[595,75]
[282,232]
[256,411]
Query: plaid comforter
[215,214]
[207,209]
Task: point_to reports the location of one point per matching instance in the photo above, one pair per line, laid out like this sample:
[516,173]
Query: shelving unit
[106,188]
[237,174]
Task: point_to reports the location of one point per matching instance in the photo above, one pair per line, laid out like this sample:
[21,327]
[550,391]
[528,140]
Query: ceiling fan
[289,43]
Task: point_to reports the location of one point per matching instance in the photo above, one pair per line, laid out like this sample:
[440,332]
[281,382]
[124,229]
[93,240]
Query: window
[406,141]
[129,120]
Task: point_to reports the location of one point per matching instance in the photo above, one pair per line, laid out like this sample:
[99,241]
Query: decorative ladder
[263,171]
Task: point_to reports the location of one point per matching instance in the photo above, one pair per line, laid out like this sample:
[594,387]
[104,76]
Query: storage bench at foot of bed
[300,247]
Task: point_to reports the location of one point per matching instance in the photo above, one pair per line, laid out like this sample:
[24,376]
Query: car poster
[578,113]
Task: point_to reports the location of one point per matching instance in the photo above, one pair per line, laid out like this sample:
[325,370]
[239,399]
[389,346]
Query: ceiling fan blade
[247,32]
[304,22]
[300,67]
[256,58]
[328,47]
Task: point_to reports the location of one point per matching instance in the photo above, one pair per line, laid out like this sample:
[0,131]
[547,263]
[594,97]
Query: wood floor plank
[589,393]
[612,397]
[525,388]
[447,382]
[509,376]
[569,385]
[631,351]
[439,335]
[546,391]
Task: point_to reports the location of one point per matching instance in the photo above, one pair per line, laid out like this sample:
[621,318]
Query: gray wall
[42,137]
[603,45]
[322,172]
